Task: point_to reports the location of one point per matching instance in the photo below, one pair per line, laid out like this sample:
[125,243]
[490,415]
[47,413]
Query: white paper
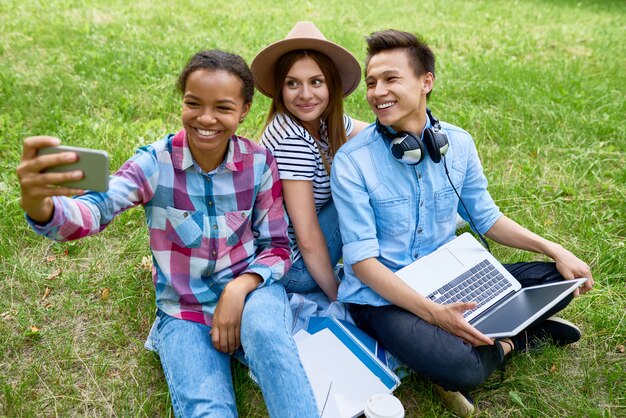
[329,364]
[300,335]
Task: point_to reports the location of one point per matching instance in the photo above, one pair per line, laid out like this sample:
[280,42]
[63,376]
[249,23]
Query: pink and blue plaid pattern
[205,228]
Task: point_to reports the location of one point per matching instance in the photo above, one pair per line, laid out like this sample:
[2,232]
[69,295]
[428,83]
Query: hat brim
[264,64]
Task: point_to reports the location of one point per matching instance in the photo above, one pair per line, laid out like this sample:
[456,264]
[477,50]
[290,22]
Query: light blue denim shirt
[398,212]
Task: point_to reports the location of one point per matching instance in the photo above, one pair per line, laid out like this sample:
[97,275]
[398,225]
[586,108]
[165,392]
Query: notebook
[463,270]
[343,367]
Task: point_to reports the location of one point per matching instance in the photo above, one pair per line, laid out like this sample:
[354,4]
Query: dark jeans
[436,354]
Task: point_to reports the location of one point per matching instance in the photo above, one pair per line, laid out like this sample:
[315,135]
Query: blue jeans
[199,376]
[298,279]
[437,355]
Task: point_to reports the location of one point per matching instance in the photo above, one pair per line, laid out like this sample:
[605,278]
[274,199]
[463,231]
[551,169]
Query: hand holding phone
[38,184]
[93,163]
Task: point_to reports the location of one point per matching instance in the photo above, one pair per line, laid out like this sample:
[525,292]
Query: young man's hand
[510,233]
[450,318]
[571,267]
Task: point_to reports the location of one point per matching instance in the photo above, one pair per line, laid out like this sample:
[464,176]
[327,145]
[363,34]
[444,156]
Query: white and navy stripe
[298,157]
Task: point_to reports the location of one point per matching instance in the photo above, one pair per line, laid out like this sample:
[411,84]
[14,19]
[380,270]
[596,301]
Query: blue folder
[364,347]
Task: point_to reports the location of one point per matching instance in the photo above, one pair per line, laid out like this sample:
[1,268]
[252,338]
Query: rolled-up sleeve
[356,215]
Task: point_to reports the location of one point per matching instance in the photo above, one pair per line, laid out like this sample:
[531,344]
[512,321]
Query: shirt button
[416,255]
[185,214]
[420,230]
[210,203]
[419,176]
[214,226]
[214,253]
[244,214]
[422,203]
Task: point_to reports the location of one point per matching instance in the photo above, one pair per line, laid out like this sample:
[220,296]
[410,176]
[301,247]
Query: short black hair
[421,57]
[214,60]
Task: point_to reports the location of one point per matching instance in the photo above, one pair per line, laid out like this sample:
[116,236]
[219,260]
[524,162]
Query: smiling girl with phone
[218,237]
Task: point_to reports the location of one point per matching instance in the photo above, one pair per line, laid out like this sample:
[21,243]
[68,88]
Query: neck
[415,121]
[208,166]
[312,127]
[209,161]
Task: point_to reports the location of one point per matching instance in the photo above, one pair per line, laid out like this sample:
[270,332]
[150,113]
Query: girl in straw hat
[307,77]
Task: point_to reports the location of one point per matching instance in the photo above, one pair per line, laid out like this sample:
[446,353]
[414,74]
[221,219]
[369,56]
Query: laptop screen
[518,312]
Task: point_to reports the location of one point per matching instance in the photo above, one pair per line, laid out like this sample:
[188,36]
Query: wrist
[430,311]
[40,211]
[331,290]
[244,284]
[553,250]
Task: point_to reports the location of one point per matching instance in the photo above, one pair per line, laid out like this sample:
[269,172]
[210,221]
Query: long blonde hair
[332,115]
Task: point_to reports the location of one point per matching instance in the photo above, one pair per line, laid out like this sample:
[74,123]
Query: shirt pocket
[184,228]
[445,205]
[237,227]
[392,216]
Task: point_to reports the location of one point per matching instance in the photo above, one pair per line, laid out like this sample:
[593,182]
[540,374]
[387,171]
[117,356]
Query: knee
[260,336]
[265,318]
[265,303]
[258,332]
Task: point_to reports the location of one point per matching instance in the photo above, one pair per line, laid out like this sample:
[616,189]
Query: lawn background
[539,84]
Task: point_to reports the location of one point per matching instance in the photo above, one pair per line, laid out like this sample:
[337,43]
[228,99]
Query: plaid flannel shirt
[205,229]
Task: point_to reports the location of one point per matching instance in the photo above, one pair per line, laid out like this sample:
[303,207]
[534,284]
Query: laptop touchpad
[444,264]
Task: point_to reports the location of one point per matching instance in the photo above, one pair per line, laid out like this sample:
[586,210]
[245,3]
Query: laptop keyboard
[479,284]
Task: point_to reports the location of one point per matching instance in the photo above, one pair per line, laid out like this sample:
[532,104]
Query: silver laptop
[462,270]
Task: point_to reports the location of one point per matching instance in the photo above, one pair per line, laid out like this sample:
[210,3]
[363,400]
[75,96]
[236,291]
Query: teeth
[204,132]
[385,105]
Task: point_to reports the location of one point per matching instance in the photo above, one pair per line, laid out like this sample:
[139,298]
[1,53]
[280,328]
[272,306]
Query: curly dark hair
[214,60]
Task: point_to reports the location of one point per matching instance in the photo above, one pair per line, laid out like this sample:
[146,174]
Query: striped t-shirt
[298,157]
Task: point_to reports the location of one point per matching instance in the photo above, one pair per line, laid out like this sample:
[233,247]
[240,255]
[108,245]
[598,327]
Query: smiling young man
[396,204]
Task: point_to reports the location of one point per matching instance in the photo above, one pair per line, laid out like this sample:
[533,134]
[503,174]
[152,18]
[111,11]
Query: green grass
[539,84]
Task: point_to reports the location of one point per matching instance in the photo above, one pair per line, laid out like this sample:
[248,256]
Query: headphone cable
[482,239]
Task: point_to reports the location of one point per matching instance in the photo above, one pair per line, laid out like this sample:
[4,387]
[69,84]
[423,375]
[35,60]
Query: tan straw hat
[304,35]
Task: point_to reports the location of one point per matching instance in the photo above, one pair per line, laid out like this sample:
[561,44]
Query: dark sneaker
[554,329]
[459,404]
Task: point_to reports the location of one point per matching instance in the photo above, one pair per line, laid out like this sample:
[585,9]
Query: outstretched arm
[60,218]
[509,233]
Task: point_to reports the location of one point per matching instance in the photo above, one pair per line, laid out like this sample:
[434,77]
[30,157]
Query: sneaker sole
[455,402]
